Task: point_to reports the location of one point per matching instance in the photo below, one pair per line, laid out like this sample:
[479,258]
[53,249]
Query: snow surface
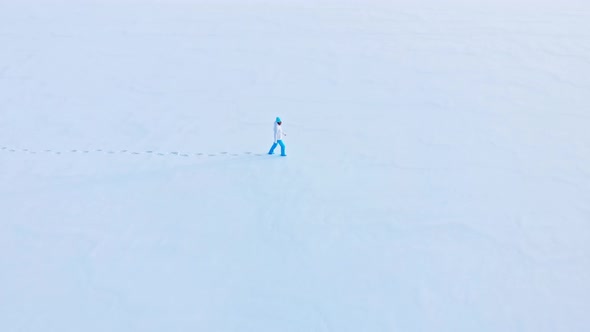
[438,176]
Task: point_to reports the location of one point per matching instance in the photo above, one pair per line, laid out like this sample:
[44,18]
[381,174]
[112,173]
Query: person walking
[279,134]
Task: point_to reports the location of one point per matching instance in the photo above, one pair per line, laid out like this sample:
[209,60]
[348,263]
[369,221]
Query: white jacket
[278,132]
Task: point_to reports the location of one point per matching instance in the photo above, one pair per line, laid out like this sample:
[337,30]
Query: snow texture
[438,176]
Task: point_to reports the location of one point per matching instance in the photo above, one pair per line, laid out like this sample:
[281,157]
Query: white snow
[437,178]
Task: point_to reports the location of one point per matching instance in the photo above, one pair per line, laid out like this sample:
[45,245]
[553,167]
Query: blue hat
[278,119]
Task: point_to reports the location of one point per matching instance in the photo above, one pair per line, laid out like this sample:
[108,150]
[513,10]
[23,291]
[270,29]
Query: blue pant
[279,142]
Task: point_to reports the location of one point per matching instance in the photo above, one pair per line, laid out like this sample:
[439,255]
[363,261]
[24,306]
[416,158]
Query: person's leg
[272,149]
[282,147]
